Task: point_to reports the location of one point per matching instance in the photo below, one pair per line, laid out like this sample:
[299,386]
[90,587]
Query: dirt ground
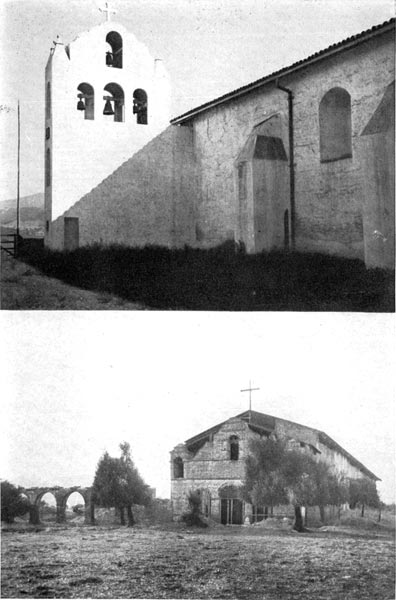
[24,288]
[235,562]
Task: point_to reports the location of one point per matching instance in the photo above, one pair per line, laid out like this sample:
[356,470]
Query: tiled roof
[334,48]
[266,423]
[330,443]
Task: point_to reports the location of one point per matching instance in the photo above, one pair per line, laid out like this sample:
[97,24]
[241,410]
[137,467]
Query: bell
[109,59]
[108,109]
[80,104]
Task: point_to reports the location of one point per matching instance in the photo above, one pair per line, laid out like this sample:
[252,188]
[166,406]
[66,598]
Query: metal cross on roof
[58,41]
[250,390]
[108,11]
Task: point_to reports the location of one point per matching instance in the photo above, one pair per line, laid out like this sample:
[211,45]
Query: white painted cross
[108,11]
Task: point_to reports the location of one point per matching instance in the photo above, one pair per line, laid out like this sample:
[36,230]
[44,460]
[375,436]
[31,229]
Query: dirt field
[246,563]
[24,288]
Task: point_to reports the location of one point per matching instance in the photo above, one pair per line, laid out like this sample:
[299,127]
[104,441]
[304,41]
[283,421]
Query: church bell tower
[105,98]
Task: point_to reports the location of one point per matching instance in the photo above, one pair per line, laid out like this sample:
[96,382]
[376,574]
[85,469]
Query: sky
[209,47]
[76,384]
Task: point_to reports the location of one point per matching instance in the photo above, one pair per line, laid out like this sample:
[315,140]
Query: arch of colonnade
[61,496]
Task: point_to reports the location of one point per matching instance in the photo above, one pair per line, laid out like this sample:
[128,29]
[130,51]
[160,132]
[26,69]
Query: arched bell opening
[114,101]
[86,100]
[140,106]
[114,50]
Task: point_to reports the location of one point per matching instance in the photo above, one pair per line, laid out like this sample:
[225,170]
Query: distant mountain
[31,214]
[36,200]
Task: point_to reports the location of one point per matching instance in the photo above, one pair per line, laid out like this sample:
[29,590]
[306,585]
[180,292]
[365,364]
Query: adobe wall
[339,462]
[149,199]
[329,206]
[378,197]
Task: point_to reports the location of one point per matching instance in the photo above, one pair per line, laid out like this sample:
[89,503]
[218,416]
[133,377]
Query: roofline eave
[318,56]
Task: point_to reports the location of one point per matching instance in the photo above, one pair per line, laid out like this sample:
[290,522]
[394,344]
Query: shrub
[13,504]
[221,278]
[193,517]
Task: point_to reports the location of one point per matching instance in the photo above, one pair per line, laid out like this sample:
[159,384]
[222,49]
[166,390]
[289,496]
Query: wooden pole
[18,173]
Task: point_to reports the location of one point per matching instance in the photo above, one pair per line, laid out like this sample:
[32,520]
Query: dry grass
[249,563]
[24,288]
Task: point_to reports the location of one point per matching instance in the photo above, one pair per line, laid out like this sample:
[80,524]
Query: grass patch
[220,279]
[226,563]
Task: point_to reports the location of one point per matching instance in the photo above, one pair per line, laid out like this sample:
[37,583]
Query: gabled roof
[265,424]
[317,56]
[256,421]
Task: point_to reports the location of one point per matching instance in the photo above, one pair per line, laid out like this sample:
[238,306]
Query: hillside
[31,214]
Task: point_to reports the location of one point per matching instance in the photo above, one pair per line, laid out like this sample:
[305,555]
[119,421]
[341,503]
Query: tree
[338,491]
[264,481]
[364,492]
[118,484]
[298,469]
[278,474]
[13,504]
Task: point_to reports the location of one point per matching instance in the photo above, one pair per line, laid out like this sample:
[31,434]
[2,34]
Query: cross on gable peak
[250,389]
[108,11]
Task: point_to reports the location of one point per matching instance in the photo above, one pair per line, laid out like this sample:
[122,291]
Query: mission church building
[302,158]
[213,463]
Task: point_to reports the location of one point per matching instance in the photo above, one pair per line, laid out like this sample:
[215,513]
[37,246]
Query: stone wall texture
[210,468]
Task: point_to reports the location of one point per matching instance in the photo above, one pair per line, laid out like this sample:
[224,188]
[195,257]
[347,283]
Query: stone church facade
[213,463]
[302,158]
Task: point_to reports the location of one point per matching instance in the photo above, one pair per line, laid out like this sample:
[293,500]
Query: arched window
[335,128]
[48,167]
[234,448]
[114,52]
[178,468]
[140,106]
[48,100]
[114,103]
[86,102]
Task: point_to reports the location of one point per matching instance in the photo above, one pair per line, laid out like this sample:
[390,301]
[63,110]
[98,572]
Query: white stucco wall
[84,152]
[329,209]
